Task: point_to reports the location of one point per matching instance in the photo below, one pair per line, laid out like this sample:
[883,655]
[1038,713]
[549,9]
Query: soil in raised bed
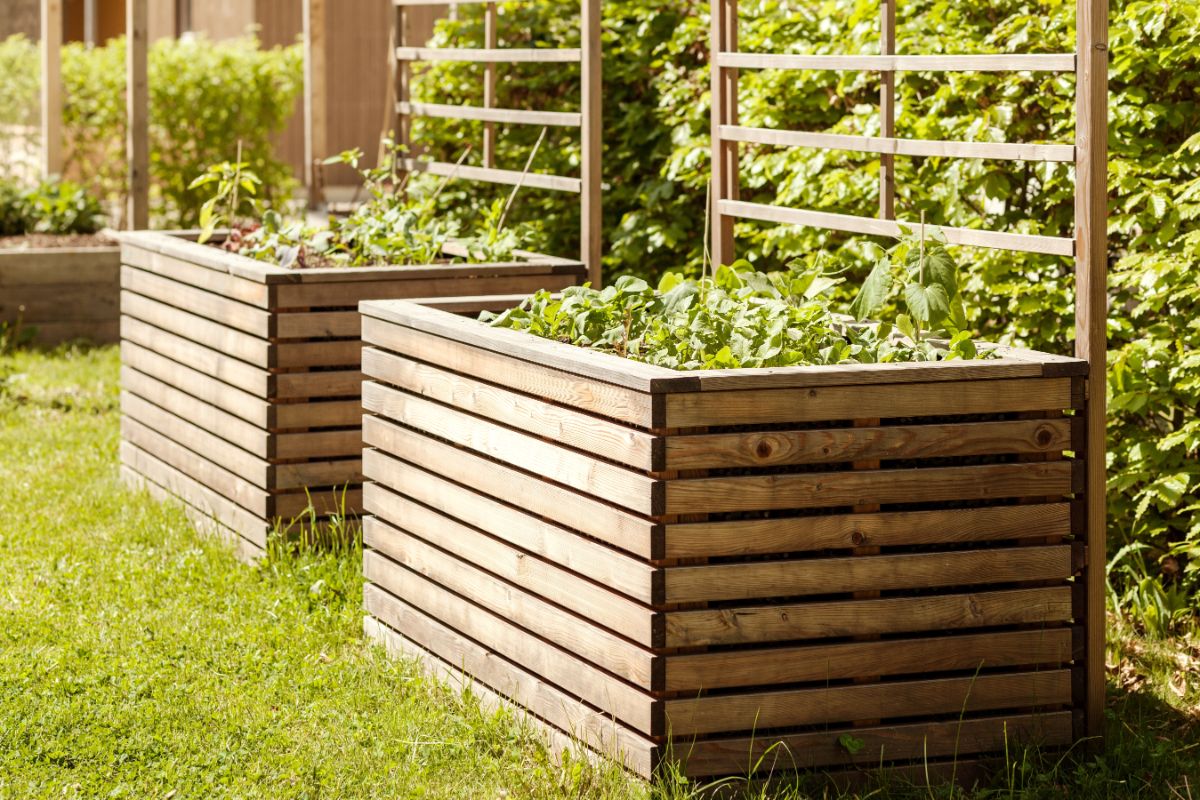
[37,241]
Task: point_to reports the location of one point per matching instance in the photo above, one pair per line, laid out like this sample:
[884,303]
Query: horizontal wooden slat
[839,704]
[317,384]
[295,505]
[501,115]
[199,276]
[819,404]
[743,537]
[1034,366]
[586,432]
[779,448]
[900,147]
[595,602]
[315,474]
[338,353]
[97,331]
[464,279]
[815,576]
[998,62]
[59,302]
[482,55]
[60,265]
[522,629]
[317,414]
[318,325]
[870,226]
[255,410]
[506,177]
[482,669]
[592,476]
[213,335]
[214,307]
[880,744]
[240,374]
[784,622]
[615,570]
[868,487]
[831,662]
[316,444]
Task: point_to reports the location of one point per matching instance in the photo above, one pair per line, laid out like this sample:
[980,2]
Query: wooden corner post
[1091,316]
[724,112]
[138,109]
[52,93]
[592,142]
[316,106]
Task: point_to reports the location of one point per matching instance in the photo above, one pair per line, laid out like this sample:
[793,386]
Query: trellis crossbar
[1088,246]
[588,120]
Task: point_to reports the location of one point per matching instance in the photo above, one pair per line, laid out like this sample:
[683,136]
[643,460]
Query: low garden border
[62,293]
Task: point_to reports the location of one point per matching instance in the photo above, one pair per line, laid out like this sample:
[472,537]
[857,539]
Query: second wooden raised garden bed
[830,566]
[61,293]
[240,380]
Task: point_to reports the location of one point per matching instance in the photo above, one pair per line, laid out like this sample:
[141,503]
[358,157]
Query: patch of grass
[139,659]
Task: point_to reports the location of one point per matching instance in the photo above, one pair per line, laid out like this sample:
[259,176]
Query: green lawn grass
[139,659]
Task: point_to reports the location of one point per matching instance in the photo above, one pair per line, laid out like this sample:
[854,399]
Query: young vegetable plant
[922,275]
[232,179]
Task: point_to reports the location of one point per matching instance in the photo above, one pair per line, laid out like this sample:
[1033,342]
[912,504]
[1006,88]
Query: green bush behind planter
[205,98]
[656,166]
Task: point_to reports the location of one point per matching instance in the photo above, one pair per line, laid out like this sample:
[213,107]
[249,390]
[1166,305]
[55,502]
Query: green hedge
[656,164]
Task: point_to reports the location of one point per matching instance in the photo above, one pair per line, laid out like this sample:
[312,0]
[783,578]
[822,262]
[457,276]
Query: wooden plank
[211,447]
[317,444]
[506,116]
[316,92]
[818,404]
[137,125]
[209,390]
[611,568]
[220,480]
[51,87]
[350,293]
[845,531]
[595,602]
[891,146]
[340,353]
[866,374]
[998,62]
[97,331]
[818,620]
[318,325]
[585,514]
[208,305]
[778,448]
[838,704]
[199,276]
[96,265]
[591,222]
[315,475]
[491,21]
[52,302]
[235,372]
[814,576]
[887,110]
[596,397]
[246,435]
[295,507]
[831,489]
[586,432]
[724,111]
[881,744]
[314,414]
[212,335]
[869,226]
[484,55]
[507,177]
[562,657]
[532,454]
[321,384]
[724,669]
[1091,320]
[475,663]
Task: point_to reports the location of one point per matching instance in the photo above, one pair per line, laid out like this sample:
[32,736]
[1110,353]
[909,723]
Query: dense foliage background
[195,120]
[656,171]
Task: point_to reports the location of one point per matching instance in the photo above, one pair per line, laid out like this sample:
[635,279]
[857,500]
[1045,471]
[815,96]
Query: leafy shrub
[55,207]
[14,211]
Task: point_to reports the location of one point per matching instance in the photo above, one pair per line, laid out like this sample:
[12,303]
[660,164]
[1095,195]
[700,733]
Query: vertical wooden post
[52,99]
[490,39]
[591,141]
[316,116]
[1091,316]
[887,110]
[724,112]
[401,78]
[138,110]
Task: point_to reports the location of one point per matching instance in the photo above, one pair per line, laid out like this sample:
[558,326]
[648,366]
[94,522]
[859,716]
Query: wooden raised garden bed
[62,293]
[697,566]
[240,380]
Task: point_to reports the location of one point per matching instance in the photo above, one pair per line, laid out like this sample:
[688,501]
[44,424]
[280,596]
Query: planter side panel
[893,562]
[245,404]
[62,294]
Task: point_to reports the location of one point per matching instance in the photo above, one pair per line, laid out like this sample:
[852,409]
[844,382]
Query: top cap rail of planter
[588,119]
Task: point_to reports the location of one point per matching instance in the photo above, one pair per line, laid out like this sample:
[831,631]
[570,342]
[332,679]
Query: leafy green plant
[14,210]
[234,187]
[54,207]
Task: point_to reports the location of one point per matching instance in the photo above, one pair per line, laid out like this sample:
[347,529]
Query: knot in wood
[858,538]
[763,449]
[1043,436]
[812,394]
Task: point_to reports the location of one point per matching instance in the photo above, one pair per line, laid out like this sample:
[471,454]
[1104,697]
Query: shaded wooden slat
[316,444]
[506,177]
[783,622]
[780,448]
[212,335]
[59,302]
[319,384]
[592,600]
[213,363]
[844,531]
[870,226]
[766,579]
[901,147]
[317,414]
[344,353]
[582,431]
[56,265]
[513,116]
[295,505]
[315,474]
[318,325]
[818,404]
[998,62]
[481,55]
[211,306]
[243,405]
[576,511]
[725,669]
[831,489]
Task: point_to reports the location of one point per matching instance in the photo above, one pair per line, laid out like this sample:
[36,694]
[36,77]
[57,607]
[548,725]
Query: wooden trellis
[1088,246]
[587,120]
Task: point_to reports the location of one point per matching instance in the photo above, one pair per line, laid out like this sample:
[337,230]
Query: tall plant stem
[521,180]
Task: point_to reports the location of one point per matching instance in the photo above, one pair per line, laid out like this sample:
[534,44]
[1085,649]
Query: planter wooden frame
[240,380]
[696,567]
[64,292]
